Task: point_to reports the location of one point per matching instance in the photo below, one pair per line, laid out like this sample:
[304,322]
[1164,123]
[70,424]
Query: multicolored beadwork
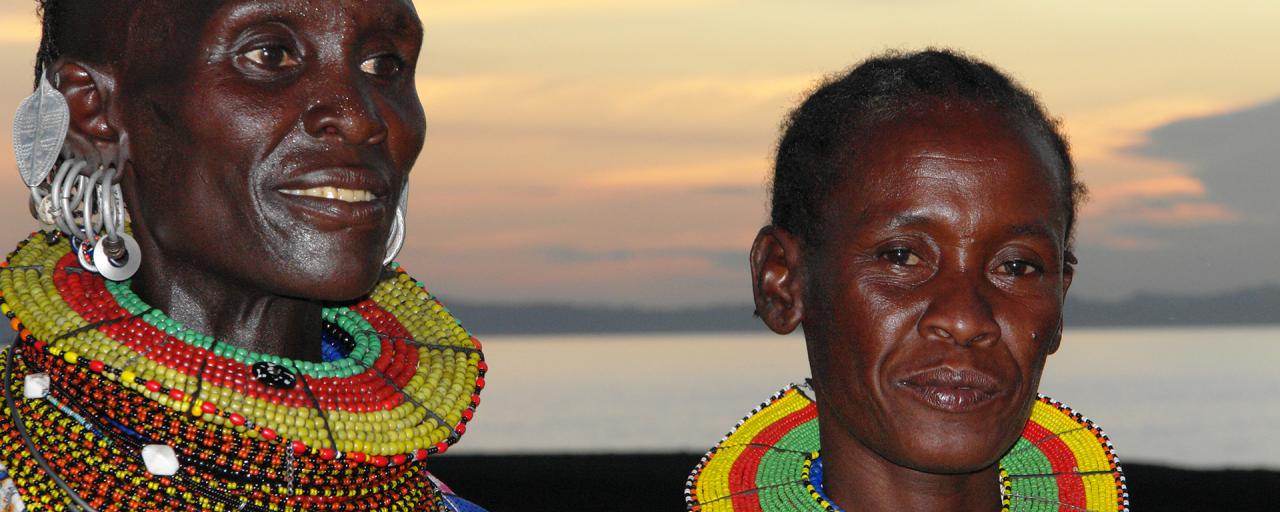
[770,462]
[403,381]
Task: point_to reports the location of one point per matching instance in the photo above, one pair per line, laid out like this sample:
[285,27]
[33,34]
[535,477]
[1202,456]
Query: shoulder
[459,504]
[764,456]
[456,504]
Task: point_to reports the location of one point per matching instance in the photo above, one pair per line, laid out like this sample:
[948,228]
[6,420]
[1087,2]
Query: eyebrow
[1033,230]
[907,219]
[400,23]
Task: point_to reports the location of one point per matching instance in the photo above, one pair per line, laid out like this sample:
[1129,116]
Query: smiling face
[936,293]
[271,146]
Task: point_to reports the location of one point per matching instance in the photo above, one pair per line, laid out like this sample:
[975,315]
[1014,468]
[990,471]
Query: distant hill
[1250,306]
[1253,306]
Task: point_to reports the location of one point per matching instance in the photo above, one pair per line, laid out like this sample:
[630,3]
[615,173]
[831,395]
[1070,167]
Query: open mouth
[951,390]
[336,208]
[340,194]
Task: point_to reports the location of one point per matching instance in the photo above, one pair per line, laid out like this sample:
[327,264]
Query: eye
[900,256]
[1018,267]
[272,57]
[382,65]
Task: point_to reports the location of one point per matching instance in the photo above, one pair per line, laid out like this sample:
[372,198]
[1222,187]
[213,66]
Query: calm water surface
[1204,397]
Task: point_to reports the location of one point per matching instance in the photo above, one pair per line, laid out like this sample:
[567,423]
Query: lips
[950,389]
[340,197]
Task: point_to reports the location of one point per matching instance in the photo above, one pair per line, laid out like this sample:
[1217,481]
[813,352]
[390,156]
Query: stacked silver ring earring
[82,199]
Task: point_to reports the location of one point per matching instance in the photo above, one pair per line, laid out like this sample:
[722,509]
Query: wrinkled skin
[943,257]
[219,107]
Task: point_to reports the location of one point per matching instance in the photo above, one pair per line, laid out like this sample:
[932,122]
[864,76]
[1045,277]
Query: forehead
[179,24]
[955,141]
[168,37]
[945,157]
[328,16]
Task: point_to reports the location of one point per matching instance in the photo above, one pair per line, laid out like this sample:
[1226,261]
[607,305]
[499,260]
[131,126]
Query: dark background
[649,482]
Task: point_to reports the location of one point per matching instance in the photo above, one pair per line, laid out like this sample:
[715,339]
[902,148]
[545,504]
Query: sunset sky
[616,151]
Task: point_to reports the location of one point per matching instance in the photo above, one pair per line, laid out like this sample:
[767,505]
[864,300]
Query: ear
[1068,272]
[1069,263]
[777,279]
[95,133]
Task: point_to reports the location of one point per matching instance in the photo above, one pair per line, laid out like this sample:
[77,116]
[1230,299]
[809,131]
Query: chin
[951,454]
[954,444]
[338,280]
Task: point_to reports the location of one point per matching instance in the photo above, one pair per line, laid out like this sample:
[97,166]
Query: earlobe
[777,279]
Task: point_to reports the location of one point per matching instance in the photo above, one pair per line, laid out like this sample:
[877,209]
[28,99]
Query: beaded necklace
[252,432]
[770,462]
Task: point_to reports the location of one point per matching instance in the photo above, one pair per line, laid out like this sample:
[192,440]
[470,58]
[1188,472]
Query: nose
[958,313]
[345,110]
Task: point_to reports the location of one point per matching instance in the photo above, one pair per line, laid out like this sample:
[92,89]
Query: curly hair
[820,136]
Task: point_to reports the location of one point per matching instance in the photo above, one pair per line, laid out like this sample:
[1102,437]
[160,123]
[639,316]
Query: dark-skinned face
[275,150]
[937,293]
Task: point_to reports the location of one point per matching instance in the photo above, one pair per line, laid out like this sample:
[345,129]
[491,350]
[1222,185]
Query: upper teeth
[341,194]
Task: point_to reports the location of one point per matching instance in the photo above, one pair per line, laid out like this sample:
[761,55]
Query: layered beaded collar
[402,380]
[770,463]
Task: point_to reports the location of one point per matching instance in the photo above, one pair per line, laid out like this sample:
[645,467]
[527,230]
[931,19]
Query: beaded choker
[251,431]
[770,463]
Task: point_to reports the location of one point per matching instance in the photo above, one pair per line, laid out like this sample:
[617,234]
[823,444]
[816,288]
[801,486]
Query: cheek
[406,129]
[241,127]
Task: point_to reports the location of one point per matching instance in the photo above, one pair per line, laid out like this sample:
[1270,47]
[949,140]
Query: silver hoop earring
[116,254]
[395,240]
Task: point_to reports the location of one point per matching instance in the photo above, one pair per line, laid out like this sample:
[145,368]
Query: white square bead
[35,385]
[160,459]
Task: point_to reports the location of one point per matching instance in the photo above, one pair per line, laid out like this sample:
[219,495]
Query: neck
[233,313]
[856,478]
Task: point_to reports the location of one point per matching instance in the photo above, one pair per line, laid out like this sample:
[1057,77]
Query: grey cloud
[1235,156]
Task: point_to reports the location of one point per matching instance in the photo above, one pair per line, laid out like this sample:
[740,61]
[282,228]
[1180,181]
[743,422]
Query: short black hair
[820,136]
[100,31]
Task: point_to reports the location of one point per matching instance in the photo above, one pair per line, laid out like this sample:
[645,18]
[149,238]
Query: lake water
[1197,397]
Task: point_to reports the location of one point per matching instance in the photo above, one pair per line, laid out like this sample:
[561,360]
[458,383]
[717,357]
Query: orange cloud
[734,172]
[19,28]
[1152,188]
[1187,214]
[452,10]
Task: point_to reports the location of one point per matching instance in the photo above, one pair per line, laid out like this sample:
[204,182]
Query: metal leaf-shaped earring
[39,130]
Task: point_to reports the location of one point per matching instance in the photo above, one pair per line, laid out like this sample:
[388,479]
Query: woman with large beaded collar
[922,214]
[244,342]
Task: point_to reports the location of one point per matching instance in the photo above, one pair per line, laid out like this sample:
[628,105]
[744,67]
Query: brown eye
[1018,267]
[901,257]
[273,57]
[382,65]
